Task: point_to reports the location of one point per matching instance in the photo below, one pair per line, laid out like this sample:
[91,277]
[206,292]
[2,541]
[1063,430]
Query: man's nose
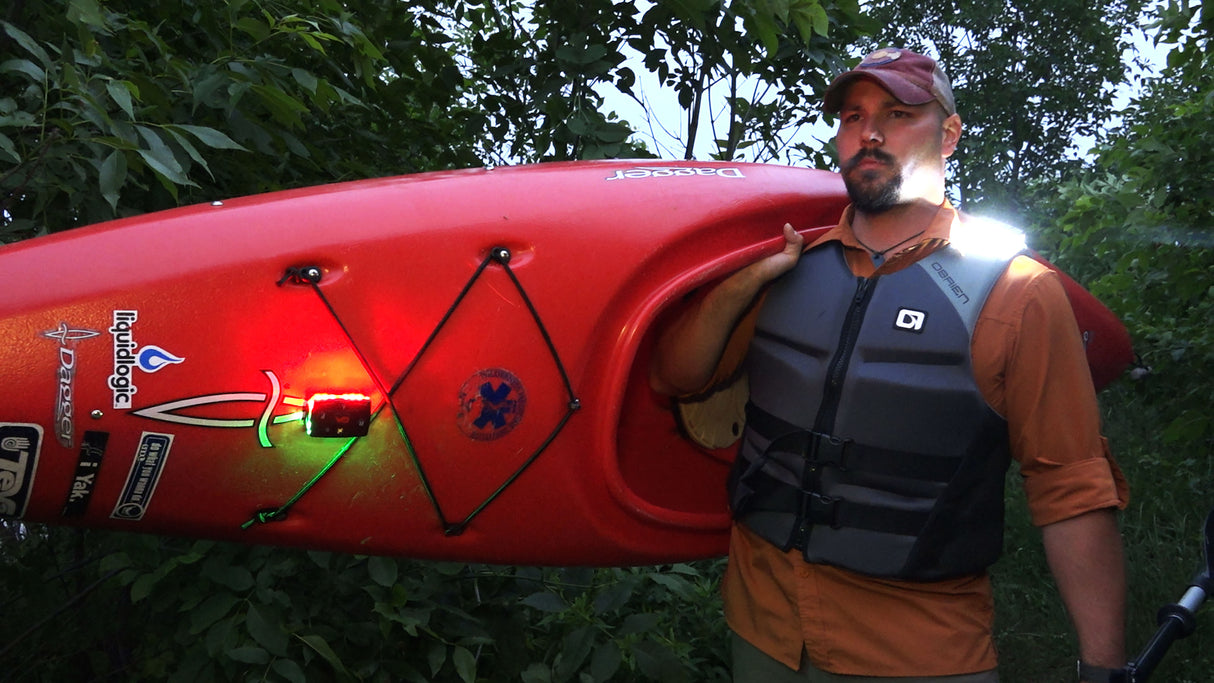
[871,134]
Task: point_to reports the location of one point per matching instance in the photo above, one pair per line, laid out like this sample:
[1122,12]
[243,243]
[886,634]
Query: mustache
[863,154]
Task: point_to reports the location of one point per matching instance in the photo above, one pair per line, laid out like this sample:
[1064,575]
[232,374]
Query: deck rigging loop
[312,276]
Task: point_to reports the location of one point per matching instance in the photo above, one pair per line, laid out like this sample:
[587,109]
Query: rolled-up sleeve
[1034,371]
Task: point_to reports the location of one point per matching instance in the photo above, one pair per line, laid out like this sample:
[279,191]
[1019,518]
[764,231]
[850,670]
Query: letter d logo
[910,320]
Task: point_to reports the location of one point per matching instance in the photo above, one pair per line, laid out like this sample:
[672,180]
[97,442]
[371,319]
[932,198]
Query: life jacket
[868,444]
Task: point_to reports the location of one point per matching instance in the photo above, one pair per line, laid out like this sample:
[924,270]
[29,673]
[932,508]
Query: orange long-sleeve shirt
[1029,363]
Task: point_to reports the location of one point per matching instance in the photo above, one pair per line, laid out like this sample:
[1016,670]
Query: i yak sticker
[92,450]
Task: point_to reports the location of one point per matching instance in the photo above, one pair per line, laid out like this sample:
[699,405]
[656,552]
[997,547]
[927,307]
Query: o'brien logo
[67,336]
[19,446]
[952,285]
[674,172]
[910,320]
[128,355]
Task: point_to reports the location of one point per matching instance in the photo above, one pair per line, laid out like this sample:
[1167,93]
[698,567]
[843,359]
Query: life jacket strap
[820,449]
[772,495]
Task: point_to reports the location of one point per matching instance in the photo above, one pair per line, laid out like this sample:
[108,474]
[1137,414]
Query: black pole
[1176,621]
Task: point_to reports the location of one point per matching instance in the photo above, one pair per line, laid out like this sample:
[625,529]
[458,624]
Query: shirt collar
[936,234]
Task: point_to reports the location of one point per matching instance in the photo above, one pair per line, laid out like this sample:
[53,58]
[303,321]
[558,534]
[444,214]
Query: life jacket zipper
[837,371]
[831,394]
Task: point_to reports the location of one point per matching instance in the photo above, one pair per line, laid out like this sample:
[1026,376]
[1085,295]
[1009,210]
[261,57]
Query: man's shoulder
[986,238]
[1027,281]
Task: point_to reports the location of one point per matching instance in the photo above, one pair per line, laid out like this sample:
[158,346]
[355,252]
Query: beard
[867,191]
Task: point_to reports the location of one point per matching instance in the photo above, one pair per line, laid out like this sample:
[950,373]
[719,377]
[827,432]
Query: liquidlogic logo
[128,355]
[67,336]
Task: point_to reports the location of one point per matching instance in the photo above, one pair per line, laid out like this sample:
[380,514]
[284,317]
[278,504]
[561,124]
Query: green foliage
[105,113]
[1030,78]
[763,56]
[1136,228]
[112,109]
[764,60]
[544,107]
[181,611]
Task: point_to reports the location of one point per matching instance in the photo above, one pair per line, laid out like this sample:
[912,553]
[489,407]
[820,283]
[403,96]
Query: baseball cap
[911,77]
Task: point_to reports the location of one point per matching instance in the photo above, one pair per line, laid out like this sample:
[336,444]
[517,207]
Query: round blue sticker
[491,404]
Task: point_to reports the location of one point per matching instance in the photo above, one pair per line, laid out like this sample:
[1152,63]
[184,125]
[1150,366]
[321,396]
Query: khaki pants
[751,665]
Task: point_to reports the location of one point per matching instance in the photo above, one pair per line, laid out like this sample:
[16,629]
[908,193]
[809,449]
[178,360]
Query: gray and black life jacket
[868,444]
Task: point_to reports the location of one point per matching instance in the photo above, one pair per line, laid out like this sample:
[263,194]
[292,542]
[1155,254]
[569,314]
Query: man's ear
[950,135]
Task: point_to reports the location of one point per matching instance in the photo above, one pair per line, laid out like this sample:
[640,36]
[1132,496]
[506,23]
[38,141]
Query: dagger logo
[178,412]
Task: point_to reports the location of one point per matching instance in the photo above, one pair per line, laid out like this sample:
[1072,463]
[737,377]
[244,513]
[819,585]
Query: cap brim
[905,91]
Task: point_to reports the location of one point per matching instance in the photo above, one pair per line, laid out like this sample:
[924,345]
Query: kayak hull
[488,330]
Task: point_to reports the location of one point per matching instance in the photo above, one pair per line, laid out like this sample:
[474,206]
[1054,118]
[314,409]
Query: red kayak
[447,365]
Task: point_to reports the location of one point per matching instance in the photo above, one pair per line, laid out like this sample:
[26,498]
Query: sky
[664,131]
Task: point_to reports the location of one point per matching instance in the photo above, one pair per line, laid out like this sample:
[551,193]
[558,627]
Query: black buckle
[824,449]
[823,509]
[817,449]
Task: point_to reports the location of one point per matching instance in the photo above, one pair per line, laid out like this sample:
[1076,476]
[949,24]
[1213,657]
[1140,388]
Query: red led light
[330,415]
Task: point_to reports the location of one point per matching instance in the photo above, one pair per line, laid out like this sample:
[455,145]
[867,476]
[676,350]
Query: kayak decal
[92,450]
[65,406]
[152,358]
[491,404]
[643,172]
[20,445]
[175,411]
[128,355]
[145,473]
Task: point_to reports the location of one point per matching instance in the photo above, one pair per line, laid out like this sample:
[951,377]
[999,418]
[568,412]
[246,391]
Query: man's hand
[771,267]
[687,353]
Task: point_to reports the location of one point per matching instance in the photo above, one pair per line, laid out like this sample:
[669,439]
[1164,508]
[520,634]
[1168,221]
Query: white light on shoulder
[986,238]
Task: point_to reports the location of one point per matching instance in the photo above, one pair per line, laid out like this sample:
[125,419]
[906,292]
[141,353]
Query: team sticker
[491,404]
[20,445]
[145,473]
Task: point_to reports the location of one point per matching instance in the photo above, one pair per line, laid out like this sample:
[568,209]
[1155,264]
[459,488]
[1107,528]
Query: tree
[114,111]
[1030,78]
[758,72]
[704,51]
[108,112]
[1135,226]
[120,108]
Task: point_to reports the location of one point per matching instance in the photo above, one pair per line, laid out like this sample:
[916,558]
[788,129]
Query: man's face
[891,153]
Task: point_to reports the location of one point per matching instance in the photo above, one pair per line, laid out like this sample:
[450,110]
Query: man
[895,366]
